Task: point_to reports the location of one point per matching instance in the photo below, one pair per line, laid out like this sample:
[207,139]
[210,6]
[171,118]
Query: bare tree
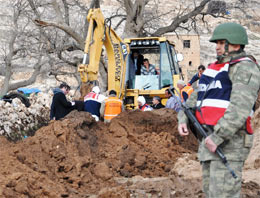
[135,17]
[142,19]
[58,29]
[22,47]
[70,26]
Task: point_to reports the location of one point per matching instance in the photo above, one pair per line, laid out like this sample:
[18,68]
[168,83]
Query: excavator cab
[162,56]
[124,72]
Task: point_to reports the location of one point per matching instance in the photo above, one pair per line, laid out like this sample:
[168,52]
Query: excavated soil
[133,156]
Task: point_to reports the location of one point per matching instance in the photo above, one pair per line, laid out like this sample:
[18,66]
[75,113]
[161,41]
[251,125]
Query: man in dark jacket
[60,107]
[135,62]
[157,103]
[197,76]
[137,59]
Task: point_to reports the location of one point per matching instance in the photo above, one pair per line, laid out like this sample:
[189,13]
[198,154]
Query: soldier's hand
[183,130]
[210,145]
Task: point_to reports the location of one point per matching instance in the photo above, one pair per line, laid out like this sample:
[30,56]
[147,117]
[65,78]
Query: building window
[186,44]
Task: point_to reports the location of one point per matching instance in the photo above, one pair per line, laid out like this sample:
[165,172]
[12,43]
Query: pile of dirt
[133,156]
[78,156]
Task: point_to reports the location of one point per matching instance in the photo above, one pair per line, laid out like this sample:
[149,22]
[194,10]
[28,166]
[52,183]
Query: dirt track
[133,156]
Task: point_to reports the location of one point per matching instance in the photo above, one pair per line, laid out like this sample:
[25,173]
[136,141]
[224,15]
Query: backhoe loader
[160,52]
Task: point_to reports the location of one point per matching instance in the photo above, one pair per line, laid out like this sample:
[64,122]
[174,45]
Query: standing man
[197,76]
[135,61]
[224,100]
[173,102]
[185,90]
[111,107]
[60,107]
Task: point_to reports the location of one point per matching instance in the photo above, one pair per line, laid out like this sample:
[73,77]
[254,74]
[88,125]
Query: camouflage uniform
[230,131]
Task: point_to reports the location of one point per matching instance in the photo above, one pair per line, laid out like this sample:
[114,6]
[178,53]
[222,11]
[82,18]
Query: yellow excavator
[121,78]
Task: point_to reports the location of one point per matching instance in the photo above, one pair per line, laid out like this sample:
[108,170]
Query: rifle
[202,132]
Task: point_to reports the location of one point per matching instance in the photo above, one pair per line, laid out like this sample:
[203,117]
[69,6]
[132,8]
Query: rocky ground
[139,154]
[17,120]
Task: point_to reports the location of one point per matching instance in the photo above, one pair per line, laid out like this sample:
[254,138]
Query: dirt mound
[133,156]
[77,156]
[250,190]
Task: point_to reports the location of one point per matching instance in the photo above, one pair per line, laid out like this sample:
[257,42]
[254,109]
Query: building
[189,47]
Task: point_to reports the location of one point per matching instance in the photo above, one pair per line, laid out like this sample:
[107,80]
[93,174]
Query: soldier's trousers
[218,181]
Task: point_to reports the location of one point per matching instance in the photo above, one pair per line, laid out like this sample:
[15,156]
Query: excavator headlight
[133,43]
[139,42]
[152,42]
[157,42]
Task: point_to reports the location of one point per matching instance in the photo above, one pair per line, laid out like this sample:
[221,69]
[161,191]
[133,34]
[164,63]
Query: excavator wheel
[9,97]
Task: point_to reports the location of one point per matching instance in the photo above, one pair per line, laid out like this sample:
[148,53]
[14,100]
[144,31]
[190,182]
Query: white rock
[15,117]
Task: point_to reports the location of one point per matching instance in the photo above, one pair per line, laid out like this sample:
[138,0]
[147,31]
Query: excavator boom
[100,34]
[123,69]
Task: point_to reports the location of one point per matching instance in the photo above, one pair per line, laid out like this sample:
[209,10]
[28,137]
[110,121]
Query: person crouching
[92,102]
[142,104]
[111,107]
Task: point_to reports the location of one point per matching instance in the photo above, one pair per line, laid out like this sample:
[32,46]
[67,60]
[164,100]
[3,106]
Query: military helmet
[232,32]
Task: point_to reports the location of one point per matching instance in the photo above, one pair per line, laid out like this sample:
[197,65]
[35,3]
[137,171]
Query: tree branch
[128,7]
[58,12]
[95,4]
[119,23]
[75,64]
[183,19]
[67,13]
[9,56]
[66,29]
[32,79]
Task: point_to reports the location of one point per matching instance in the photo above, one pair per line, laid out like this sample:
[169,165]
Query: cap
[141,99]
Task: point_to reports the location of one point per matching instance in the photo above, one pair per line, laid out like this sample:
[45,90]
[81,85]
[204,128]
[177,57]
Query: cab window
[175,67]
[165,70]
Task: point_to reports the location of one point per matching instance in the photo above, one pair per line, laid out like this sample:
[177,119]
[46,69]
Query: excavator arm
[99,35]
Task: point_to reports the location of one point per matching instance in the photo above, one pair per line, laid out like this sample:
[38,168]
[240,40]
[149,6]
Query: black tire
[23,98]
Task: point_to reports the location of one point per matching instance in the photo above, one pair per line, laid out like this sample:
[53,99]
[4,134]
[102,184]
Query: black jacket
[140,59]
[158,106]
[60,107]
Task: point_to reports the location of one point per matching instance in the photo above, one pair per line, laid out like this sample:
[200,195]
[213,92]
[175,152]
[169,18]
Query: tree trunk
[134,20]
[5,87]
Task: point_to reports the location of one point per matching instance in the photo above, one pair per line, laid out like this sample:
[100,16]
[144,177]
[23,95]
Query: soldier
[224,100]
